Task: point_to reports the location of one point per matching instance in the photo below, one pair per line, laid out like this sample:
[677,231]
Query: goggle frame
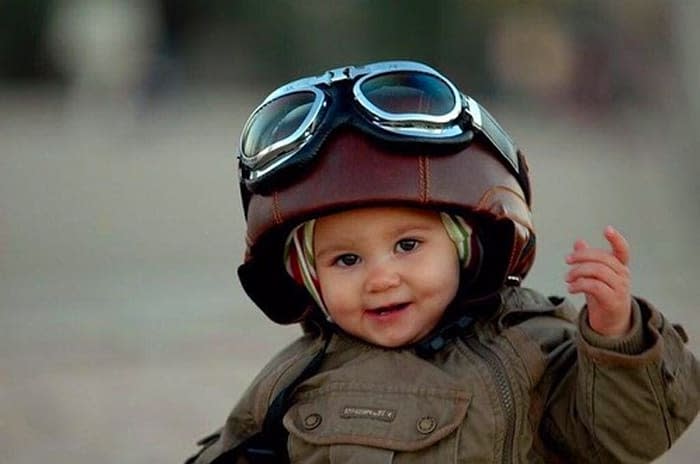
[413,126]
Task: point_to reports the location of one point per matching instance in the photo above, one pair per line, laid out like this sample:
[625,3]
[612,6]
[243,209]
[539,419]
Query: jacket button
[426,425]
[312,421]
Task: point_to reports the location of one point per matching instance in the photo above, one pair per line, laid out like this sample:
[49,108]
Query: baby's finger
[597,255]
[593,288]
[620,247]
[599,272]
[580,245]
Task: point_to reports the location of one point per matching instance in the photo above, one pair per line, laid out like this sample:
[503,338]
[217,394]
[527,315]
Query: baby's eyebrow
[413,228]
[333,249]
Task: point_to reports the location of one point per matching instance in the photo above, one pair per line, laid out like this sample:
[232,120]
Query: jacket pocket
[374,422]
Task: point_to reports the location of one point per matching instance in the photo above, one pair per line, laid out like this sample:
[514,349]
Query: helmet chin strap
[300,264]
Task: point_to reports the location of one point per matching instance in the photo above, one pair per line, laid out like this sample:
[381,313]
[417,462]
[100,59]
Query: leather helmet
[354,169]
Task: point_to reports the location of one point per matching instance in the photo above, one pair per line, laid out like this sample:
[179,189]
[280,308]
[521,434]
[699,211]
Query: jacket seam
[480,368]
[591,401]
[659,396]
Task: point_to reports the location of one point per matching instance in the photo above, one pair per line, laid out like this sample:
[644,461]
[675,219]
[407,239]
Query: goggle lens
[276,121]
[401,93]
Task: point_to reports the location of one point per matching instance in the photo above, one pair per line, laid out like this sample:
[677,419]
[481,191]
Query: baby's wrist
[613,330]
[630,342]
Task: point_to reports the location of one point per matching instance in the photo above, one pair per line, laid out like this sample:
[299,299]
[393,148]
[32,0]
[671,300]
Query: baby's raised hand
[604,278]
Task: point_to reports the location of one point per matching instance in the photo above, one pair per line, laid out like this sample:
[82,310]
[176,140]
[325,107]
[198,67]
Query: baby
[389,214]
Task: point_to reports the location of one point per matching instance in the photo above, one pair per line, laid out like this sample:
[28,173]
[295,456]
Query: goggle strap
[498,137]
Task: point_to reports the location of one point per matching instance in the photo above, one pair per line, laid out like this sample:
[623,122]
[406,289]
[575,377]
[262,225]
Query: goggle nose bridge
[345,73]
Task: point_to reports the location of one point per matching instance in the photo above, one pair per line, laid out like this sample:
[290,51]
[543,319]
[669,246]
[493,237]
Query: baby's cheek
[338,302]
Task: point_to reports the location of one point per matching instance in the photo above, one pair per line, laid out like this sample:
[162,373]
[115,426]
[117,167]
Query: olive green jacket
[525,386]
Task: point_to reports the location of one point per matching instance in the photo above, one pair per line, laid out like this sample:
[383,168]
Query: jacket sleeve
[246,418]
[621,399]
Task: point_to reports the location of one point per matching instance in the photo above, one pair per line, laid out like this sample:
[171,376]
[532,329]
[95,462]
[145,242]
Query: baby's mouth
[386,310]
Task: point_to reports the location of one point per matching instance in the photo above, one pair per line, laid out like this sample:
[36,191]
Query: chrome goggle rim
[409,124]
[288,145]
[412,124]
[425,125]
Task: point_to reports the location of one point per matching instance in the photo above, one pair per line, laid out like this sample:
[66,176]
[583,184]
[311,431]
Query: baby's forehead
[374,222]
[374,225]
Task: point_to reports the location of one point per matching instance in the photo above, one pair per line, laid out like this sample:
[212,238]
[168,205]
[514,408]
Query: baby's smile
[387,310]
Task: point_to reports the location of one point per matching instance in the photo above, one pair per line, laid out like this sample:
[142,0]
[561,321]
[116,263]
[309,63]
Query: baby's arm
[604,278]
[637,387]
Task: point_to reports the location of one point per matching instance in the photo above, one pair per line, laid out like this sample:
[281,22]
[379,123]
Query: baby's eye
[347,260]
[407,244]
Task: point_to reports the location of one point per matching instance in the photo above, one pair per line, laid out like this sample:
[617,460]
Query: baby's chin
[393,342]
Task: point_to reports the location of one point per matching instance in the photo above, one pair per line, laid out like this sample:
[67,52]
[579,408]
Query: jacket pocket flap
[401,418]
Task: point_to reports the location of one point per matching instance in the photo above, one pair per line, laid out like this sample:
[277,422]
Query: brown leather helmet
[351,168]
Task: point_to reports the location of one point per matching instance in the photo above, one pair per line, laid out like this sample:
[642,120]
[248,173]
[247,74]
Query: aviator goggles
[396,101]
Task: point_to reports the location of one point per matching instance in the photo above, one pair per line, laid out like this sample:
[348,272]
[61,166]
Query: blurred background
[124,334]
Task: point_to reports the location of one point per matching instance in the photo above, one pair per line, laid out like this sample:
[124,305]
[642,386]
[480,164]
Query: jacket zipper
[505,391]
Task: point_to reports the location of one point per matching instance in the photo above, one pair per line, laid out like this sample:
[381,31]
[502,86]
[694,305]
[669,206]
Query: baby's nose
[382,277]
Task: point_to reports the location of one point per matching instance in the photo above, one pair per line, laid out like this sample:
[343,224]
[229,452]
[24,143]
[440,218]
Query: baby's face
[386,274]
